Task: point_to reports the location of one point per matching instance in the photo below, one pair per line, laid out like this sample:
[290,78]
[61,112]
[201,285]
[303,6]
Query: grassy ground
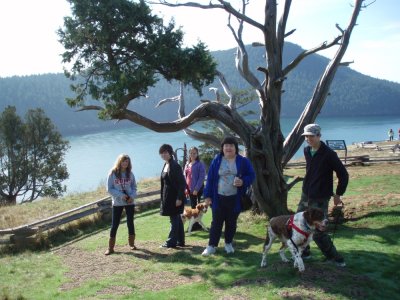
[368,239]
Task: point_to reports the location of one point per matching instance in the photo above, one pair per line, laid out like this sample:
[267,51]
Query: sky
[29,43]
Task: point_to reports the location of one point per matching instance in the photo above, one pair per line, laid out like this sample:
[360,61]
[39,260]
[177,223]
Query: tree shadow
[375,214]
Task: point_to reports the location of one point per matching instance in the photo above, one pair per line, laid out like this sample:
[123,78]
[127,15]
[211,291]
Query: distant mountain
[352,93]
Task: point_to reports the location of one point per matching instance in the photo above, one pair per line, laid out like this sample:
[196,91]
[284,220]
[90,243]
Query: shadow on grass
[369,273]
[376,214]
[383,229]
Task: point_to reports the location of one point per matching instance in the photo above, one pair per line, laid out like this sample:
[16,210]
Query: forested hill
[352,93]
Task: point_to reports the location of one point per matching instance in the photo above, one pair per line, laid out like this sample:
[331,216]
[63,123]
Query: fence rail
[26,234]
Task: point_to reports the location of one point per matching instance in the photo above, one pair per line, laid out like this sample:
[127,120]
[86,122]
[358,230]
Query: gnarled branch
[306,53]
[225,5]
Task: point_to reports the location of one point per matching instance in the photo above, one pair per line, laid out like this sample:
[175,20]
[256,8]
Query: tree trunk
[269,188]
[11,199]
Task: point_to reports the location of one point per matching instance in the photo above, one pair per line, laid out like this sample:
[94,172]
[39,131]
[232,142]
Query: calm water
[91,156]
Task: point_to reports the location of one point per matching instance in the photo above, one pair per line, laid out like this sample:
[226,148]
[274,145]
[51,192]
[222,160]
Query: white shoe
[229,248]
[208,251]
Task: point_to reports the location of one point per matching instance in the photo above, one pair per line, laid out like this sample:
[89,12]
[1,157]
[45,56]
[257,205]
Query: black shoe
[338,260]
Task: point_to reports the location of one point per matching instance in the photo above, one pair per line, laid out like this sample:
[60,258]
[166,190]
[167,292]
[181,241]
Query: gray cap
[312,129]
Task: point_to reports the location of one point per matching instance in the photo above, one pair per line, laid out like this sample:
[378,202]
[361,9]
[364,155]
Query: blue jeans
[223,214]
[176,233]
[116,219]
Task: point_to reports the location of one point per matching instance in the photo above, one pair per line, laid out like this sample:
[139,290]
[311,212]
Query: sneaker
[229,248]
[165,245]
[208,251]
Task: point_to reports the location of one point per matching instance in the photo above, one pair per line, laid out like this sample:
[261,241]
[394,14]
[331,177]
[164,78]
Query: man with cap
[321,162]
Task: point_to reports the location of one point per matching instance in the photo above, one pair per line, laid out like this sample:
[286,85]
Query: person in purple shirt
[195,173]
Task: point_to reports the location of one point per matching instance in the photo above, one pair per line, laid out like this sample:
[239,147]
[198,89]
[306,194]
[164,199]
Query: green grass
[79,270]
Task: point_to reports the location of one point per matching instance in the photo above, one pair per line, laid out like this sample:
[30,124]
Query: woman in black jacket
[172,197]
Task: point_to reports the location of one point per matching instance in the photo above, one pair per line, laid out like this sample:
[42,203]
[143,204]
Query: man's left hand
[337,200]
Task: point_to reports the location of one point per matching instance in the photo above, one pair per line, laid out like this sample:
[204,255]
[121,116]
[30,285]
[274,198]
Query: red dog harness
[291,225]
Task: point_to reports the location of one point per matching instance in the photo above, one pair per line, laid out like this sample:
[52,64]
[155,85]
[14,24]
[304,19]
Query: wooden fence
[27,234]
[359,160]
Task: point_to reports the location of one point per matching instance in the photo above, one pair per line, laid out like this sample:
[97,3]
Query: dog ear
[307,215]
[316,214]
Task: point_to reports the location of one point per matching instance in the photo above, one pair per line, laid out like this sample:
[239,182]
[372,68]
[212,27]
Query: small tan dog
[195,215]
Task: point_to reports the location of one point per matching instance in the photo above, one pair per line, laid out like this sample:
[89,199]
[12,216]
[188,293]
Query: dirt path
[88,265]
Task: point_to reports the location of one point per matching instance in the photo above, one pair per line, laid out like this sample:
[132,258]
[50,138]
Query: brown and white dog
[195,215]
[295,232]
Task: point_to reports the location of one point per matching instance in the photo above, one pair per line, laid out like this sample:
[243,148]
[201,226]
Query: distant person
[172,197]
[321,162]
[399,134]
[391,134]
[229,176]
[121,185]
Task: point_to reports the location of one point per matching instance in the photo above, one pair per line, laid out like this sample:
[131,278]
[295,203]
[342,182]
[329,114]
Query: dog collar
[295,227]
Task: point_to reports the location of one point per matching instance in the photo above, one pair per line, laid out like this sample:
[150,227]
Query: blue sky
[30,46]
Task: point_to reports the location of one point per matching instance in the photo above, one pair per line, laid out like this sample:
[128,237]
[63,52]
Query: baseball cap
[312,129]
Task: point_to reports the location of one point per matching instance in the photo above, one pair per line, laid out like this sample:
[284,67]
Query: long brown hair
[198,156]
[116,169]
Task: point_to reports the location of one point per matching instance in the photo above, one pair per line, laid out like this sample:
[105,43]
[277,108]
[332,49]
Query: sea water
[91,156]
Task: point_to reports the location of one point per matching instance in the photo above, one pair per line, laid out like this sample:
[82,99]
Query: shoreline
[377,149]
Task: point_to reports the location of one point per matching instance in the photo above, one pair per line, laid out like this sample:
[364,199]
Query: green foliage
[31,156]
[117,48]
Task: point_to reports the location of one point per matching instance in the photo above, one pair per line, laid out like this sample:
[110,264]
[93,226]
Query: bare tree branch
[306,53]
[167,100]
[227,89]
[242,60]
[216,92]
[346,63]
[223,5]
[204,137]
[313,107]
[90,107]
[282,24]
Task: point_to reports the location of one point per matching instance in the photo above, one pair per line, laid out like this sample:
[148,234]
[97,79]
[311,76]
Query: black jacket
[172,188]
[318,182]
